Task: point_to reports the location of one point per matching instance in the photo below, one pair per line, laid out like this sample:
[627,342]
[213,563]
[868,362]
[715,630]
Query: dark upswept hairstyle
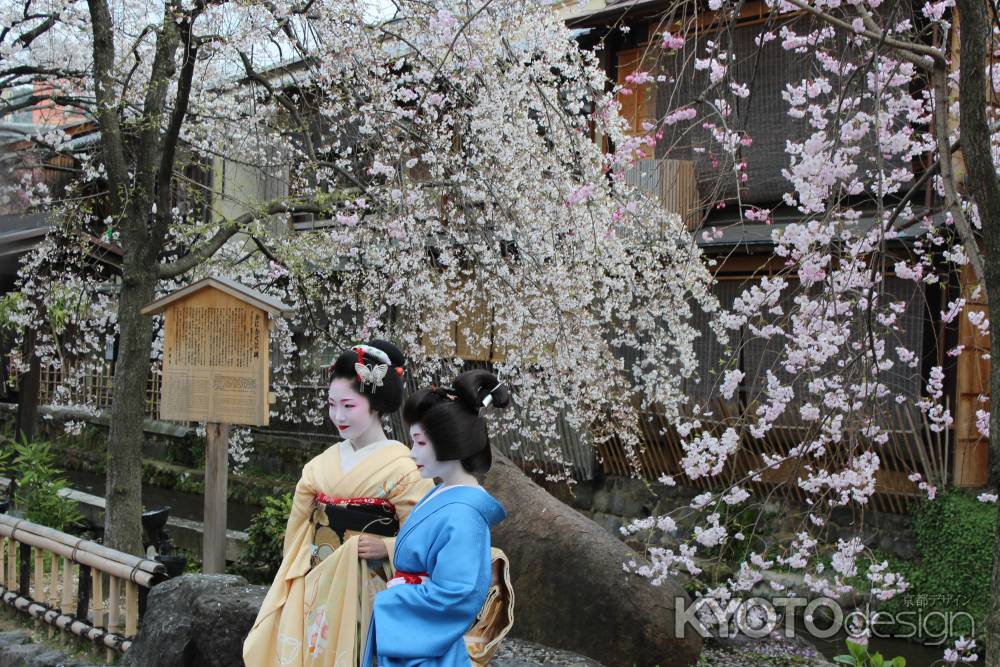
[385,399]
[450,416]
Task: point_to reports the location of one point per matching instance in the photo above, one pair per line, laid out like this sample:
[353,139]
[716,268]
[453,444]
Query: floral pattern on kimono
[317,616]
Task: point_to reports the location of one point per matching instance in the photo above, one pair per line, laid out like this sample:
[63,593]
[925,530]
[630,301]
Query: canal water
[184,505]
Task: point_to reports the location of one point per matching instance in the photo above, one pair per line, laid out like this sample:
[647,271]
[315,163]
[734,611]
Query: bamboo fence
[74,585]
[912,448]
[94,387]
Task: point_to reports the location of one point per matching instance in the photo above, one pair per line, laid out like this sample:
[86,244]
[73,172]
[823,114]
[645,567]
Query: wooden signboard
[215,360]
[215,370]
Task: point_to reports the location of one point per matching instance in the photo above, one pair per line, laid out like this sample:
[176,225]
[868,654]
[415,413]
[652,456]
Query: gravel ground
[521,653]
[16,636]
[769,652]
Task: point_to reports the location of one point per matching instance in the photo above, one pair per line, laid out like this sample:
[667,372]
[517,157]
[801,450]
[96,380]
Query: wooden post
[24,580]
[83,592]
[131,608]
[216,472]
[29,386]
[97,597]
[67,586]
[215,370]
[11,564]
[113,625]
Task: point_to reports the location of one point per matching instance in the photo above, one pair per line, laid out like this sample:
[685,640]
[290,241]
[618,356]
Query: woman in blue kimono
[442,556]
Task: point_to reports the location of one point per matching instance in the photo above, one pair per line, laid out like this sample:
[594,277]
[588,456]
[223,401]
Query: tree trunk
[975,30]
[122,517]
[569,587]
[28,388]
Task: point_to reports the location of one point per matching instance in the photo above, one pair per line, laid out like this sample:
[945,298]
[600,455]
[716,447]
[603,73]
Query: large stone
[631,498]
[196,621]
[14,638]
[571,592]
[33,655]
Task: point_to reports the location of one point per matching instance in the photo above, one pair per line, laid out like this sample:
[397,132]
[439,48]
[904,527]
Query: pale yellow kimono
[318,616]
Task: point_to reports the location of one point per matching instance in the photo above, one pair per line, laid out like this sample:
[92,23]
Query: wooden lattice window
[638,103]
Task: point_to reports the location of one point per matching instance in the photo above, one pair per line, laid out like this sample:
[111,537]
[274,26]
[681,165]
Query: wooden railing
[59,579]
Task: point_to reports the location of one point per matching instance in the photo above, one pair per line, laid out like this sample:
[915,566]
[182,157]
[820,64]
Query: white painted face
[350,411]
[423,454]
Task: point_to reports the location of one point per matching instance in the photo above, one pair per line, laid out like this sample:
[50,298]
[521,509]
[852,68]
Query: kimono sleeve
[302,506]
[426,620]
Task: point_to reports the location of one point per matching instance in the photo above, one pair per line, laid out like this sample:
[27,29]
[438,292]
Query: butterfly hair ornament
[372,374]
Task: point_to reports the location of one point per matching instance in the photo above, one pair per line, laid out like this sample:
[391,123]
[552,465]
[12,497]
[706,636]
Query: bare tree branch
[939,82]
[32,101]
[27,38]
[283,100]
[209,247]
[111,134]
[170,138]
[150,143]
[919,54]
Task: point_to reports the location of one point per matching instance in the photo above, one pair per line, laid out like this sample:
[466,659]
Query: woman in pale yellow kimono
[317,611]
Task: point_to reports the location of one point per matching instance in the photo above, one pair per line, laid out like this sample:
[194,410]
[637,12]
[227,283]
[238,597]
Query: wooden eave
[250,296]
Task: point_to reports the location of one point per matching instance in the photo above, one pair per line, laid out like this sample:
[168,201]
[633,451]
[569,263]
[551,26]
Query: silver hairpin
[488,401]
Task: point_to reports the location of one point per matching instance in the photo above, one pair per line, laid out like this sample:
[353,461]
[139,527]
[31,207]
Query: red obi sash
[356,502]
[407,578]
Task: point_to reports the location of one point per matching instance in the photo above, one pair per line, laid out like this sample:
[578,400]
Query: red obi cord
[411,577]
[355,502]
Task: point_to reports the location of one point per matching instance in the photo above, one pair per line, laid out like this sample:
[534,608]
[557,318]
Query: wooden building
[627,37]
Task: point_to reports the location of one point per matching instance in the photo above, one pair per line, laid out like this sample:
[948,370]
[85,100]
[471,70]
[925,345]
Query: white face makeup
[350,412]
[422,453]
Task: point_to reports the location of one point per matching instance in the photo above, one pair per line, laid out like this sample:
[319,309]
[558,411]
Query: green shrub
[955,535]
[859,656]
[38,485]
[266,537]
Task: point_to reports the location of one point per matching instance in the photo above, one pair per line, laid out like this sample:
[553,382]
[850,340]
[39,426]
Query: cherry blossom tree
[888,115]
[468,161]
[447,159]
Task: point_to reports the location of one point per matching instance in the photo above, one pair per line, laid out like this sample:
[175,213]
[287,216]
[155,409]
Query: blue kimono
[448,537]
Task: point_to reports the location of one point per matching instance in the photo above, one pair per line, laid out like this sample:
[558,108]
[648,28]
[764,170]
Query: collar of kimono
[357,481]
[485,504]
